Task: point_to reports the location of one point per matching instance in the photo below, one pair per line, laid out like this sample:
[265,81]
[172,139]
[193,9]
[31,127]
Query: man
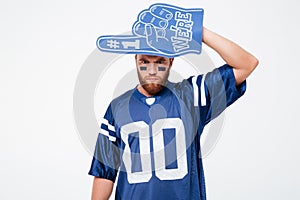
[151,134]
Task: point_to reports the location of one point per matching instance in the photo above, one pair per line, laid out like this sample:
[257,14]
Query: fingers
[119,44]
[151,37]
[148,18]
[139,29]
[161,12]
[149,30]
[157,15]
[129,44]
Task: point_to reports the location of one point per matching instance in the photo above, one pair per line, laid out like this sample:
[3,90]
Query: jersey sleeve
[106,158]
[215,91]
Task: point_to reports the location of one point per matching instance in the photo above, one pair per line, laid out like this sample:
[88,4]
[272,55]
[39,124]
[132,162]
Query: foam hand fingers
[175,28]
[161,12]
[151,37]
[139,29]
[147,17]
[124,44]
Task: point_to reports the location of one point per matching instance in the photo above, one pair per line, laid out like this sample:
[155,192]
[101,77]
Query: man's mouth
[152,79]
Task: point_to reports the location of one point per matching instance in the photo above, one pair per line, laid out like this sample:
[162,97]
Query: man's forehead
[142,56]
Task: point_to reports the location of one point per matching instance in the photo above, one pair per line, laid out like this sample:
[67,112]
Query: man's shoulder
[180,85]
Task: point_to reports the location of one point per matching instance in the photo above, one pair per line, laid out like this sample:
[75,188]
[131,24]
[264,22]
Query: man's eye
[144,62]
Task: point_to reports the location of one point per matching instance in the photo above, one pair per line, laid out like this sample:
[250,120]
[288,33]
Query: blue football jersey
[154,142]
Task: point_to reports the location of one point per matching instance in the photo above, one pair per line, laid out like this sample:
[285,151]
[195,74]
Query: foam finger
[161,12]
[138,28]
[148,18]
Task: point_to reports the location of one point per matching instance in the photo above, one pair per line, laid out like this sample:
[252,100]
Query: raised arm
[102,189]
[242,62]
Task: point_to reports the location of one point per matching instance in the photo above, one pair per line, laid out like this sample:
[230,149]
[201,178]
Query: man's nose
[152,69]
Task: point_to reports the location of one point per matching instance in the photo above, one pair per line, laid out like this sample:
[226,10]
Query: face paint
[153,73]
[143,68]
[161,68]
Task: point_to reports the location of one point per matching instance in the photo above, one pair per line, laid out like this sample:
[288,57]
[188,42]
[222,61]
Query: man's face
[153,72]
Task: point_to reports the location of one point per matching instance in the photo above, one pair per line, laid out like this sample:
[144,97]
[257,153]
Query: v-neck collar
[157,98]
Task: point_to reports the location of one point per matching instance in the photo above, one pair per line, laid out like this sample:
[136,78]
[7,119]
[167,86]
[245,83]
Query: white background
[43,46]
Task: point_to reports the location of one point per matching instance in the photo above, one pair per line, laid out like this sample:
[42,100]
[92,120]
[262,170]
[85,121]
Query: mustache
[153,77]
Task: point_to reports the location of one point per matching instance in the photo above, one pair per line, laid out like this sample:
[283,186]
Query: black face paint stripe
[161,68]
[143,68]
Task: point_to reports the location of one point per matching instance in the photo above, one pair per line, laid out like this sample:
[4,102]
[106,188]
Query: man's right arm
[242,62]
[106,159]
[102,188]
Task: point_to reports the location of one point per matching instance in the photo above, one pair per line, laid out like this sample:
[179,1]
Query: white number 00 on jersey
[160,170]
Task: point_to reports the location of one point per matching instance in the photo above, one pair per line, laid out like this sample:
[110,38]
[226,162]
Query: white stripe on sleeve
[106,133]
[203,97]
[196,93]
[105,122]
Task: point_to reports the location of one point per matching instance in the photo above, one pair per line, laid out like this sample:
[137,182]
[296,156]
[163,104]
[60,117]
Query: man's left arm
[242,62]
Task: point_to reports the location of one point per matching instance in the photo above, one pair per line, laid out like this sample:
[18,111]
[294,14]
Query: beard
[153,88]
